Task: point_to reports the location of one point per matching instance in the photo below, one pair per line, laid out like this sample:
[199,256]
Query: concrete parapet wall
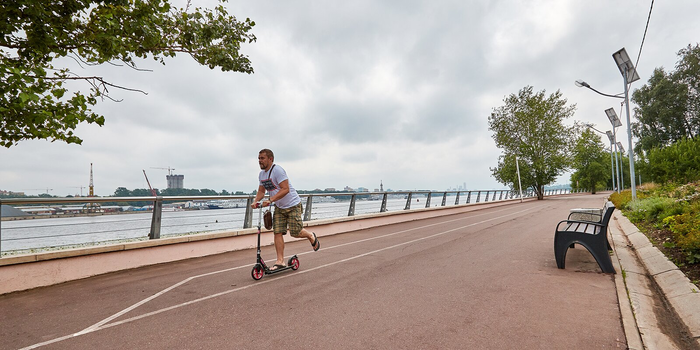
[29,271]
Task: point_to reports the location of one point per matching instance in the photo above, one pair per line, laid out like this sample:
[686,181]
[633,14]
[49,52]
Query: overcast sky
[354,93]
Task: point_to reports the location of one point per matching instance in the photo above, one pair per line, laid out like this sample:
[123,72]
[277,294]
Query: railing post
[469,196]
[444,199]
[486,197]
[457,199]
[384,198]
[0,227]
[248,218]
[408,201]
[307,211]
[351,211]
[494,196]
[155,220]
[501,196]
[427,202]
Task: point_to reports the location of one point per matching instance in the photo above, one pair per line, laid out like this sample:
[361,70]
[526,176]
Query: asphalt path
[485,279]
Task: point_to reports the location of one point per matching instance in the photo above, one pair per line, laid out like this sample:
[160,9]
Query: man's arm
[259,195]
[284,189]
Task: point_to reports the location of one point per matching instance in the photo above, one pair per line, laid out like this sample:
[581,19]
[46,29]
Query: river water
[22,236]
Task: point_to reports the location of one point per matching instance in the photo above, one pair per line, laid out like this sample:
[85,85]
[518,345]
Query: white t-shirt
[273,186]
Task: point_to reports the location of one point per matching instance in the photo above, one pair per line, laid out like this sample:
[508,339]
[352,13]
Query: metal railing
[91,205]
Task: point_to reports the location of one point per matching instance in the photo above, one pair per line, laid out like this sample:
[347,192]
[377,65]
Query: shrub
[621,199]
[648,209]
[668,205]
[686,230]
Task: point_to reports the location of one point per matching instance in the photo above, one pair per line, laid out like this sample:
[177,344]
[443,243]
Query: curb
[642,264]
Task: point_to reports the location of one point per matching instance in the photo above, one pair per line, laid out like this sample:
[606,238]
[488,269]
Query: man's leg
[279,248]
[307,234]
[279,223]
[297,228]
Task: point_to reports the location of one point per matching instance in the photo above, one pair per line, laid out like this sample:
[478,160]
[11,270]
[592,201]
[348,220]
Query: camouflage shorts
[288,219]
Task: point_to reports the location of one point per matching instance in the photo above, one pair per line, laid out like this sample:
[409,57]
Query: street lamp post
[615,121]
[629,75]
[612,165]
[520,185]
[622,152]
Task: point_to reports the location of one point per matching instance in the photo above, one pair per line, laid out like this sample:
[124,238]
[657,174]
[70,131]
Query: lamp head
[581,83]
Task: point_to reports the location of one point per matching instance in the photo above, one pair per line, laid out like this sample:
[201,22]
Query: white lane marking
[302,272]
[103,324]
[120,313]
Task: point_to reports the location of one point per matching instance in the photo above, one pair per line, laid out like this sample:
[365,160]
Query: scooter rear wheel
[257,272]
[294,263]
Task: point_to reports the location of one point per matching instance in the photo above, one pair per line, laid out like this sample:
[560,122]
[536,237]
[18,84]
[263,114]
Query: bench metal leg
[563,240]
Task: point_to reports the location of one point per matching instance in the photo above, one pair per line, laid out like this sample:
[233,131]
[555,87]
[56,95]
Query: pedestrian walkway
[484,279]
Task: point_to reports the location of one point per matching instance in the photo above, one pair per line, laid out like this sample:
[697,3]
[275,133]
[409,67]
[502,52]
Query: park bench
[591,233]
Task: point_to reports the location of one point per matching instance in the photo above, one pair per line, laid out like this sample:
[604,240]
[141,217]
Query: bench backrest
[608,210]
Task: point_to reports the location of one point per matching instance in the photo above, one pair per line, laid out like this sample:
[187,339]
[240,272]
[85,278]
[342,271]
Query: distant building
[348,188]
[175,181]
[11,193]
[330,189]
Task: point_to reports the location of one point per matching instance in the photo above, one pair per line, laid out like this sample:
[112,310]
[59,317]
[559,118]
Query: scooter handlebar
[263,203]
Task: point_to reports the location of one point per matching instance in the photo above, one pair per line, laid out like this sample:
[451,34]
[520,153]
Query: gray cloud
[356,92]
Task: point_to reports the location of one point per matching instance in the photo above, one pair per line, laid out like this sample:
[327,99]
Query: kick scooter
[260,269]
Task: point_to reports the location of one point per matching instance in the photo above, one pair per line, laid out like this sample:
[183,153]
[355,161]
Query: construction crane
[153,192]
[81,189]
[169,169]
[92,187]
[92,207]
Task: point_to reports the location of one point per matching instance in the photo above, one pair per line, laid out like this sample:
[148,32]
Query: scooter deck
[289,266]
[280,269]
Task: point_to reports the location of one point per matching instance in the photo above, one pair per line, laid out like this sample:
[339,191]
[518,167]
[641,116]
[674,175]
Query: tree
[530,126]
[590,163]
[208,192]
[506,172]
[122,192]
[660,111]
[688,74]
[668,106]
[36,103]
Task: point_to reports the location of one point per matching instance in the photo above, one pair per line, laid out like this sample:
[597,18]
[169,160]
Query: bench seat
[592,235]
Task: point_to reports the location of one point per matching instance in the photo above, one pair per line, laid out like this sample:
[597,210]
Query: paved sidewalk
[490,278]
[660,307]
[485,279]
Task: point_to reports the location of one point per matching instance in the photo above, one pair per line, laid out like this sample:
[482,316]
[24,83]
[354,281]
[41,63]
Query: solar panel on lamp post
[629,75]
[615,121]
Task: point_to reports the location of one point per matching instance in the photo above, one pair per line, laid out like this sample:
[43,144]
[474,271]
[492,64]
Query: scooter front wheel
[294,263]
[257,272]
